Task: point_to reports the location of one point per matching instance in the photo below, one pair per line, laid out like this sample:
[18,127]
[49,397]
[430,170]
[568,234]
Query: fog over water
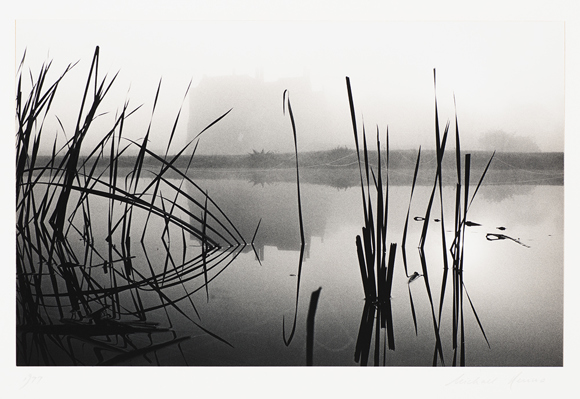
[507,77]
[512,81]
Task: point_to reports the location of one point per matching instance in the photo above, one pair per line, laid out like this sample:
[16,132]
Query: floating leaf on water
[497,237]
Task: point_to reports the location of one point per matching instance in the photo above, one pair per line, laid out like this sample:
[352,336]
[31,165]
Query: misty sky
[506,76]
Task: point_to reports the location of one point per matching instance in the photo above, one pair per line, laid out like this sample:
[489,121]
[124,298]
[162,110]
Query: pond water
[255,292]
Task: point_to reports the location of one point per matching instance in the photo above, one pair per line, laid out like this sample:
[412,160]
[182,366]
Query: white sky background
[266,382]
[506,75]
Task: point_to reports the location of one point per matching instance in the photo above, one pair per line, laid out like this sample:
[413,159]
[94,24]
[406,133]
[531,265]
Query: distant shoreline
[339,167]
[347,158]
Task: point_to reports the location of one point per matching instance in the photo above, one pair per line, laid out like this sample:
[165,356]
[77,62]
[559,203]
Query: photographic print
[289,193]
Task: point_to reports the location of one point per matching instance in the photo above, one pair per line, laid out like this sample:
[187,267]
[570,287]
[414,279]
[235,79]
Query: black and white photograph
[306,193]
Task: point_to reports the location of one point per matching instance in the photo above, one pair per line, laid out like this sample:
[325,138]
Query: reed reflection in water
[501,277]
[248,300]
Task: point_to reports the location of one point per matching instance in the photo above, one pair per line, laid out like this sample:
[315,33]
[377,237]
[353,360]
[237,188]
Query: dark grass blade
[177,119]
[465,204]
[211,124]
[388,314]
[204,248]
[456,242]
[412,309]
[184,246]
[366,161]
[354,128]
[404,240]
[387,306]
[440,151]
[426,218]
[457,144]
[438,347]
[378,336]
[443,239]
[456,255]
[286,99]
[390,269]
[404,256]
[363,269]
[386,211]
[288,340]
[256,231]
[287,95]
[363,342]
[253,240]
[481,179]
[310,326]
[379,231]
[476,317]
[462,353]
[369,256]
[388,151]
[141,156]
[460,284]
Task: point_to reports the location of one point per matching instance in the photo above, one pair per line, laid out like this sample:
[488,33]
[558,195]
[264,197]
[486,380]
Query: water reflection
[274,208]
[249,301]
[89,282]
[332,265]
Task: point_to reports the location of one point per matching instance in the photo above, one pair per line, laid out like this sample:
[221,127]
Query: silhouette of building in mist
[256,121]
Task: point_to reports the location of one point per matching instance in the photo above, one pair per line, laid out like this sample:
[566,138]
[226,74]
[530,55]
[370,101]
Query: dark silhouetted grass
[377,275]
[75,280]
[310,326]
[287,341]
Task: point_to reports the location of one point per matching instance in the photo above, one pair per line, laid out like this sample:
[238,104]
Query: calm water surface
[516,290]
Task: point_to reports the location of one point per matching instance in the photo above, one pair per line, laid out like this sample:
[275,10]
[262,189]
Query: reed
[286,102]
[310,326]
[404,239]
[254,240]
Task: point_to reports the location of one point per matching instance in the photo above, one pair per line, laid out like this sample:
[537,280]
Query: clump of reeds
[377,274]
[103,281]
[457,247]
[376,270]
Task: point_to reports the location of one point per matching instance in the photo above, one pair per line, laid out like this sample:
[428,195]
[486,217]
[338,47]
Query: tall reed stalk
[286,102]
